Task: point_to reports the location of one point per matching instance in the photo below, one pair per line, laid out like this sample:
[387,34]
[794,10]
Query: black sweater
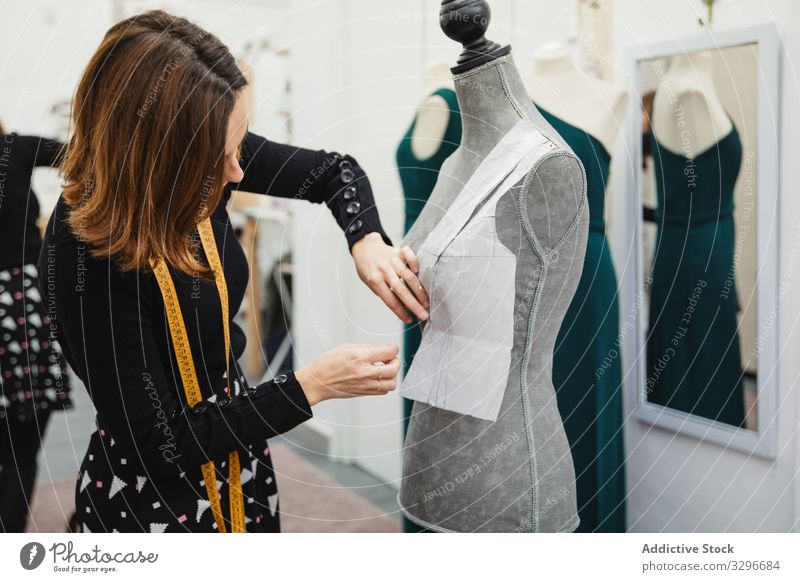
[19,208]
[112,325]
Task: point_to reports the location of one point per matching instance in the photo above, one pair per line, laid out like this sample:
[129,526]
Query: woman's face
[237,130]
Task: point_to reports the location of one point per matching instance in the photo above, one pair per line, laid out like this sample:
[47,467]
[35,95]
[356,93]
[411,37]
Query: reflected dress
[693,353]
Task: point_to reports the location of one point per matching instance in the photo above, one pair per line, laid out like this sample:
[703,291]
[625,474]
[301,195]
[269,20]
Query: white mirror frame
[764,442]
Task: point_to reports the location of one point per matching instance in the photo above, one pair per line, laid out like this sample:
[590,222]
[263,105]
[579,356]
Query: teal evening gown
[693,354]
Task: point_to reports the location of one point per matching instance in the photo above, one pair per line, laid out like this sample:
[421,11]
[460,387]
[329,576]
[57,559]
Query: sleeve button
[347,175]
[281,379]
[345,165]
[350,192]
[353,207]
[355,227]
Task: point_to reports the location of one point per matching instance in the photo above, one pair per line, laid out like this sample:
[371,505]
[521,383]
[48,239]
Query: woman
[33,382]
[160,141]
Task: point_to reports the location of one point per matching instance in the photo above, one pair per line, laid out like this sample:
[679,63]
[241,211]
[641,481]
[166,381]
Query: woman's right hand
[350,370]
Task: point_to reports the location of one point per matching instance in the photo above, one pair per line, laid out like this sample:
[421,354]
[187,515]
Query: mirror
[706,191]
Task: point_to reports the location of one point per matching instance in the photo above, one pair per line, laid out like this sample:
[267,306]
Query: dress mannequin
[463,472]
[696,107]
[558,86]
[434,114]
[578,106]
[433,136]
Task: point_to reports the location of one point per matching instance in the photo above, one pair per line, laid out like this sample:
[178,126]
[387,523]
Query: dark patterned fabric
[32,370]
[113,493]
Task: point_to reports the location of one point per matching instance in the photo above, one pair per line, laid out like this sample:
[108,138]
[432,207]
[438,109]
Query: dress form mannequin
[688,116]
[594,105]
[433,136]
[515,473]
[583,109]
[434,113]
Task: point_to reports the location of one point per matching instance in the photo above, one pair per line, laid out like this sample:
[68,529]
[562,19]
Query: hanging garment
[587,370]
[33,373]
[418,176]
[693,353]
[462,364]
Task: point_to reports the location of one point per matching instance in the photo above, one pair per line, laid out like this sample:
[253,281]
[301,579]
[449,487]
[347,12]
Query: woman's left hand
[392,275]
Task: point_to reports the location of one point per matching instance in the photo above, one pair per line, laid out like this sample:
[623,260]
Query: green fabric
[586,361]
[418,178]
[693,353]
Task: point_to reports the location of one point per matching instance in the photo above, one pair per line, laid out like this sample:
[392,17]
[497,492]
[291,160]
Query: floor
[68,436]
[351,476]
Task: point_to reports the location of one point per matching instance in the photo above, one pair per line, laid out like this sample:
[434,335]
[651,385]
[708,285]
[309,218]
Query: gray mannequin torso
[462,473]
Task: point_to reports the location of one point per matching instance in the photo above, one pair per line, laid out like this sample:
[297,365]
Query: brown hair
[146,159]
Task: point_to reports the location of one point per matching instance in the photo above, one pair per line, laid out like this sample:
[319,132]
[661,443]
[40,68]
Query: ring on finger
[380,372]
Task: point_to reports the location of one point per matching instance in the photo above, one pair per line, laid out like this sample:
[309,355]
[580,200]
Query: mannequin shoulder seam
[523,202]
[558,153]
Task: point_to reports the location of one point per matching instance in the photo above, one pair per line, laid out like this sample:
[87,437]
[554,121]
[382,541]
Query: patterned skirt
[113,495]
[32,370]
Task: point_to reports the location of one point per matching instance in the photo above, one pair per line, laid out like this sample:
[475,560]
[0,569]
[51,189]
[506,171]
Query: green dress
[418,178]
[693,354]
[587,371]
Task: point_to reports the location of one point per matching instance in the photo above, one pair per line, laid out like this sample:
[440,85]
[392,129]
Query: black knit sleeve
[314,175]
[40,151]
[105,320]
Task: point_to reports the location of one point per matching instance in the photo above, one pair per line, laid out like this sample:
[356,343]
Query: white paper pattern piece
[464,357]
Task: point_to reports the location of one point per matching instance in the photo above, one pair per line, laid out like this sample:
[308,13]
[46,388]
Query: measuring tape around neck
[191,386]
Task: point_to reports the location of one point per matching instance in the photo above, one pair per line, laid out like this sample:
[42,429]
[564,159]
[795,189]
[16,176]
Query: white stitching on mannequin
[544,258]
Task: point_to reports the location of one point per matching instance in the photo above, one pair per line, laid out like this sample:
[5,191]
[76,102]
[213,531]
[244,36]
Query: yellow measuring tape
[191,387]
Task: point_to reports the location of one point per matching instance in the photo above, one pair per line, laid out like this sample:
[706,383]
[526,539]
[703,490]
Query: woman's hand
[350,370]
[392,275]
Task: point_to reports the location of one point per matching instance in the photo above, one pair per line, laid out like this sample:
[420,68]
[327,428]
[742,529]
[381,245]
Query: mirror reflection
[699,136]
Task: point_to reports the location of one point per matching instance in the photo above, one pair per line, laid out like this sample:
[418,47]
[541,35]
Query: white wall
[46,49]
